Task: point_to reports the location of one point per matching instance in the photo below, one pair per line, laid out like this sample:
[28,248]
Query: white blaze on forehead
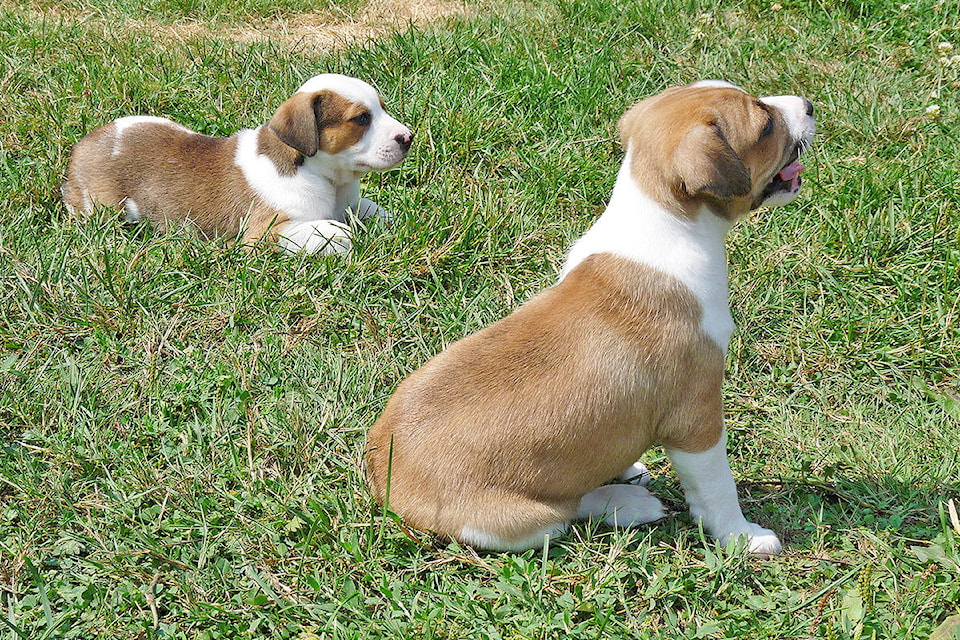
[794,110]
[715,84]
[350,88]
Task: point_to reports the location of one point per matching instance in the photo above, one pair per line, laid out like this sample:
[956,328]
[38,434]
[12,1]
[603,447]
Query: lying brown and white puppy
[511,433]
[293,180]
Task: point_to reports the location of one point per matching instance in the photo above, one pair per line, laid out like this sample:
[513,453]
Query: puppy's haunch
[293,180]
[511,433]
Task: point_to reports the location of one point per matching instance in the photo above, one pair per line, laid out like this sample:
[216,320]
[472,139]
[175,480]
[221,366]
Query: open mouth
[788,179]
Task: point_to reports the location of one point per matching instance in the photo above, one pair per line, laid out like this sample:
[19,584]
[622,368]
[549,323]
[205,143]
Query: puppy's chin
[388,156]
[778,199]
[784,187]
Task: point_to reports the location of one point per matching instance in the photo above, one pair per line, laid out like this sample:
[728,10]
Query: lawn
[182,422]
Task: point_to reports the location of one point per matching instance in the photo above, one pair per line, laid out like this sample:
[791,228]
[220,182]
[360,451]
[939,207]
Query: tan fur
[171,174]
[507,429]
[174,175]
[714,154]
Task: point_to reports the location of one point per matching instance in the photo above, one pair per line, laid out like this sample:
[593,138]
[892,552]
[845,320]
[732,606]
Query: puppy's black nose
[808,106]
[404,140]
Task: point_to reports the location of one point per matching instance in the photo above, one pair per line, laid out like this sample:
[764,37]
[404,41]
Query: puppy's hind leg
[499,522]
[636,473]
[491,542]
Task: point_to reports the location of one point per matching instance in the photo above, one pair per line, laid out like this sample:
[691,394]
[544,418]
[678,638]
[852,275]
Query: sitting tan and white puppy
[293,180]
[511,433]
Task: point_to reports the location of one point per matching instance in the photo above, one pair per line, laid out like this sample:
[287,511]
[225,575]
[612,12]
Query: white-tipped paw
[636,474]
[621,505]
[762,543]
[322,237]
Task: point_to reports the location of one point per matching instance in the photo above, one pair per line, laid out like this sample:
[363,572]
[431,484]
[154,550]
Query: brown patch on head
[342,123]
[715,146]
[319,121]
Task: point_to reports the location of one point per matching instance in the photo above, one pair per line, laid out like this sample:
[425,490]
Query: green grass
[182,423]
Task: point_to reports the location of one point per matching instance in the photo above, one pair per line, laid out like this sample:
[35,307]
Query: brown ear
[707,165]
[297,122]
[630,120]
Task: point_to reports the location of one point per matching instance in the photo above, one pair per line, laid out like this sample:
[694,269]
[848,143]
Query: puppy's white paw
[636,474]
[762,543]
[370,210]
[322,237]
[621,505]
[333,246]
[333,239]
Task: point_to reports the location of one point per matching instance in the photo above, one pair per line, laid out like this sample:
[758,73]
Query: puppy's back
[506,429]
[160,171]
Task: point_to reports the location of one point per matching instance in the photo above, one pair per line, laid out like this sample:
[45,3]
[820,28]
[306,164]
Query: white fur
[716,84]
[305,195]
[324,237]
[801,126]
[376,151]
[794,111]
[692,250]
[621,505]
[712,496]
[132,210]
[483,540]
[635,227]
[636,474]
[326,186]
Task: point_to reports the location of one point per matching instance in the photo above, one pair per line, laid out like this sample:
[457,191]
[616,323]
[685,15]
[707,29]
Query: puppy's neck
[299,193]
[330,168]
[688,248]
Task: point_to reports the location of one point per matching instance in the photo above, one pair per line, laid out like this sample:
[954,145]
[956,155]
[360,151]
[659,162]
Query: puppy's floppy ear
[706,165]
[630,121]
[297,122]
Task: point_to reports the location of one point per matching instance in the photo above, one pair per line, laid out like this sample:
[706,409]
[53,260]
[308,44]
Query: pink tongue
[791,173]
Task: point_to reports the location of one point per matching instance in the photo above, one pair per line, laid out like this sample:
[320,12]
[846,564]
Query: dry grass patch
[323,31]
[329,31]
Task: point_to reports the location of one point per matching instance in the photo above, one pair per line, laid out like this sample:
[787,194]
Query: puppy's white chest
[691,250]
[304,195]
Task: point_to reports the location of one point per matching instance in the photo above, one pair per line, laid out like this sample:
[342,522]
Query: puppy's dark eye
[768,129]
[362,120]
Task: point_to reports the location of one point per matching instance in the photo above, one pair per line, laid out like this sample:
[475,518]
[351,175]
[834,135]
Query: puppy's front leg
[712,495]
[368,209]
[362,208]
